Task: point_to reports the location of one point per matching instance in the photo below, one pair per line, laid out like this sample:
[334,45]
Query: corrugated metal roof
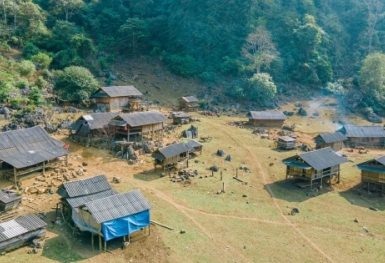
[363,131]
[87,186]
[322,158]
[99,120]
[118,91]
[381,159]
[7,196]
[117,206]
[174,149]
[180,114]
[286,138]
[19,226]
[374,169]
[332,137]
[27,147]
[193,144]
[143,118]
[75,202]
[266,115]
[190,99]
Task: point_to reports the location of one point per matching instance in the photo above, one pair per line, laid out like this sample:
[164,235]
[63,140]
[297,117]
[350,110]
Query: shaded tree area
[308,43]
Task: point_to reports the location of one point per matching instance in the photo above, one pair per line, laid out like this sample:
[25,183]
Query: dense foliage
[308,43]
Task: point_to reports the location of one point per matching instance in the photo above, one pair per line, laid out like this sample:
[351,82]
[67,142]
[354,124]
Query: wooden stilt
[321,182]
[221,176]
[149,229]
[124,238]
[92,241]
[15,175]
[105,245]
[311,184]
[223,187]
[100,242]
[368,187]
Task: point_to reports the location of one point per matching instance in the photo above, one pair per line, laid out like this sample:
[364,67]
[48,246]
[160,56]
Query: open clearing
[247,223]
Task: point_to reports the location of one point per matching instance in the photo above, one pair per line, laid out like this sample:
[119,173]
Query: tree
[261,88]
[308,36]
[372,78]
[43,60]
[69,6]
[259,49]
[134,32]
[75,83]
[375,14]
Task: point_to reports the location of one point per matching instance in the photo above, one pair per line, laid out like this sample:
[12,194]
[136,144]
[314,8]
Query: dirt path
[266,183]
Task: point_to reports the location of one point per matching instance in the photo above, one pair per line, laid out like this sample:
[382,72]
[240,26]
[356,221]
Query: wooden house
[114,216]
[266,118]
[334,140]
[190,103]
[286,143]
[92,128]
[28,150]
[314,165]
[77,193]
[20,232]
[371,136]
[180,117]
[117,98]
[9,200]
[373,173]
[130,125]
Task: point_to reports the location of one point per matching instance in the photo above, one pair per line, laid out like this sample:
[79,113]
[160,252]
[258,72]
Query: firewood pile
[184,175]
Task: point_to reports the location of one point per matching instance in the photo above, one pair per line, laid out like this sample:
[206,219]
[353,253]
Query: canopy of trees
[297,42]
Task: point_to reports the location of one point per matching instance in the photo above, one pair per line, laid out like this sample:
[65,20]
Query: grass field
[247,223]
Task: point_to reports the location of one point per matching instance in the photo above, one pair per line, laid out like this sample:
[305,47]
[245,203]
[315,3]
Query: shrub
[40,82]
[29,50]
[43,60]
[26,68]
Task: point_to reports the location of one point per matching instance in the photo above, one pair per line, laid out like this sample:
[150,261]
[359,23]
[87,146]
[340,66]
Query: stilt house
[93,127]
[371,136]
[115,216]
[190,103]
[117,98]
[373,173]
[77,193]
[314,165]
[180,117]
[286,143]
[21,231]
[173,154]
[130,125]
[334,140]
[266,118]
[28,150]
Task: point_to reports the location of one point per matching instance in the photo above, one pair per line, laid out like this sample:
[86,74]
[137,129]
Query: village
[126,176]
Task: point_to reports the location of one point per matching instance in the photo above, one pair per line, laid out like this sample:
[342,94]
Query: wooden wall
[266,123]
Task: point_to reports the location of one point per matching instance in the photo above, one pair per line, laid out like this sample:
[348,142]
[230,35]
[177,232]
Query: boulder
[372,117]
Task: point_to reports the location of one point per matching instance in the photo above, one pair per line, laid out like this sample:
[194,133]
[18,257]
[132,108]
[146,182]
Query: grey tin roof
[143,118]
[364,131]
[174,149]
[193,144]
[19,226]
[75,202]
[333,137]
[381,159]
[322,158]
[27,147]
[7,196]
[99,120]
[190,99]
[286,138]
[87,186]
[266,115]
[118,91]
[117,206]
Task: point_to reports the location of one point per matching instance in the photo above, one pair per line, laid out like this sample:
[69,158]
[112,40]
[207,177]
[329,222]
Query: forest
[260,48]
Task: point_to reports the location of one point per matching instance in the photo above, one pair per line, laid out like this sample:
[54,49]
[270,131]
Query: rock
[182,232]
[32,251]
[219,192]
[372,117]
[356,220]
[302,112]
[373,208]
[228,158]
[116,180]
[80,172]
[220,153]
[37,243]
[288,113]
[214,168]
[84,163]
[366,229]
[244,195]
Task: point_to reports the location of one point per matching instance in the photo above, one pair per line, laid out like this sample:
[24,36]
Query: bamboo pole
[162,225]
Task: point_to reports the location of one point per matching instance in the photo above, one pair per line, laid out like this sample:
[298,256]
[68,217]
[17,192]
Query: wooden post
[223,187]
[311,183]
[221,175]
[100,242]
[43,167]
[321,182]
[92,241]
[15,174]
[212,172]
[236,173]
[368,187]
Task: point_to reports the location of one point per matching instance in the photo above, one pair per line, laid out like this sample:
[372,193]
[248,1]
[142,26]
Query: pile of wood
[184,175]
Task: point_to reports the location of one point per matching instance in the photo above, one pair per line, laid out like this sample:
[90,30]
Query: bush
[22,83]
[29,50]
[40,82]
[46,74]
[35,96]
[26,68]
[75,83]
[261,88]
[43,60]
